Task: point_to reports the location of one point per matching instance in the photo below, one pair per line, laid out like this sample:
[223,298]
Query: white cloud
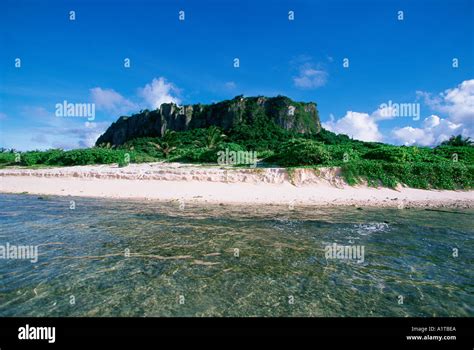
[159,91]
[111,101]
[434,131]
[409,136]
[456,103]
[360,126]
[384,113]
[152,95]
[310,78]
[46,130]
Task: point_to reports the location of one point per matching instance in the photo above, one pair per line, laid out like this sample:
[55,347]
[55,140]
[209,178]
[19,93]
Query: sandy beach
[191,183]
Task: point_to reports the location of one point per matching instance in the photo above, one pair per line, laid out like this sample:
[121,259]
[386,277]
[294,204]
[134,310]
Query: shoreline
[216,185]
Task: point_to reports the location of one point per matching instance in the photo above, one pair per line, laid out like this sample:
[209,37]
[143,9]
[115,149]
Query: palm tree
[213,137]
[166,144]
[458,141]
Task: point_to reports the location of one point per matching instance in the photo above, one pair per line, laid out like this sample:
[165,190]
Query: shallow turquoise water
[280,270]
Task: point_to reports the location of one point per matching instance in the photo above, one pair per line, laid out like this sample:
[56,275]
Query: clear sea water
[134,258]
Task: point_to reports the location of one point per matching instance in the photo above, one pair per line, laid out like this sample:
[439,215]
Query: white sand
[157,181]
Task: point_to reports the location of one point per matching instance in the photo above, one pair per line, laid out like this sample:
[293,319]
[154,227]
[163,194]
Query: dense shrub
[144,146]
[95,156]
[445,175]
[7,158]
[343,153]
[76,157]
[190,154]
[210,156]
[265,154]
[464,154]
[40,157]
[260,135]
[402,154]
[302,152]
[330,138]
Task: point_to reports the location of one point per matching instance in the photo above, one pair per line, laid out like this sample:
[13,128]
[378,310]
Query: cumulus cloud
[46,130]
[150,96]
[111,101]
[456,103]
[360,126]
[384,113]
[159,91]
[433,131]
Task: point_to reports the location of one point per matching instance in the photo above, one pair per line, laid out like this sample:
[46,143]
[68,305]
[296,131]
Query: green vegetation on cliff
[278,113]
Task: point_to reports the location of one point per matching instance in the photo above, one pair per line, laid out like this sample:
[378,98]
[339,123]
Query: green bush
[394,154]
[260,135]
[265,154]
[7,158]
[342,153]
[424,175]
[144,146]
[330,138]
[388,154]
[372,172]
[31,158]
[77,157]
[464,154]
[48,157]
[301,152]
[211,156]
[189,154]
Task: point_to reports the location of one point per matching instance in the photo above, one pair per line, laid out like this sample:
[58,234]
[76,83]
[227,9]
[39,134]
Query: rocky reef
[294,116]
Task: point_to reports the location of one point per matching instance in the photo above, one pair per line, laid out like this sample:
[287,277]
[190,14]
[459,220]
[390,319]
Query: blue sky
[407,61]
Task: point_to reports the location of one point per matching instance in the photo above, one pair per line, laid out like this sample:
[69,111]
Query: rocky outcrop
[290,115]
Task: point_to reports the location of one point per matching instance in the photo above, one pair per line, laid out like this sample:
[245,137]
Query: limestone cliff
[290,115]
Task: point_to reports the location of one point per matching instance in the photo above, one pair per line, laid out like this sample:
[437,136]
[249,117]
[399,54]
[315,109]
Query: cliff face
[295,116]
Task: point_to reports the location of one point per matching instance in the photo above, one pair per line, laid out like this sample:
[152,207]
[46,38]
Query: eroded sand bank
[171,181]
